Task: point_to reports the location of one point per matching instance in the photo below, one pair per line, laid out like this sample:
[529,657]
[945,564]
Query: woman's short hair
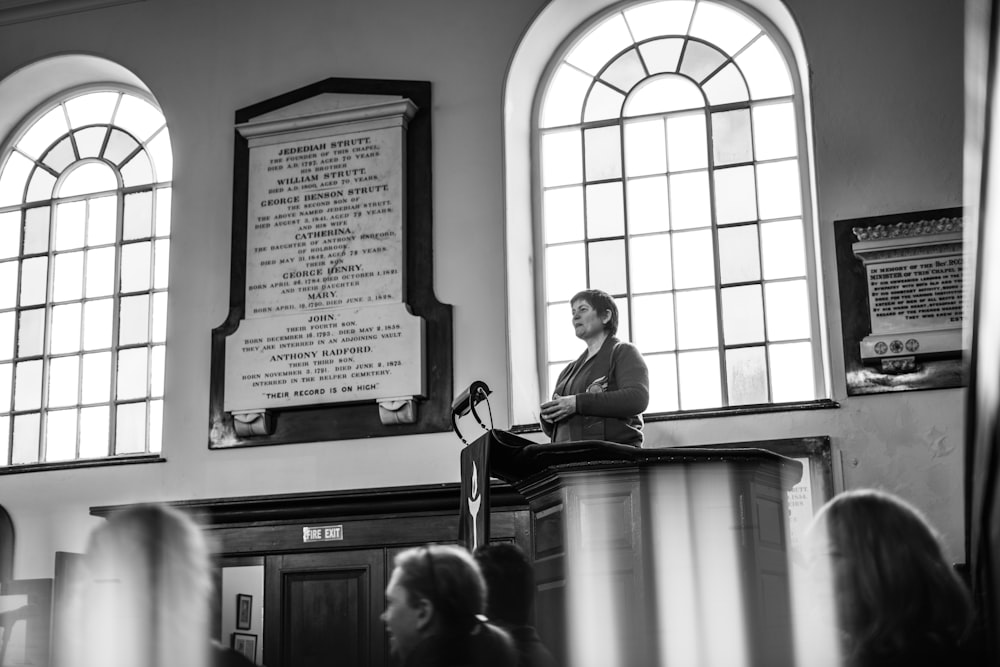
[602,302]
[449,577]
[897,594]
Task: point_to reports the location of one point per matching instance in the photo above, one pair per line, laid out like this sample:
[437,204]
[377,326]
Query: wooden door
[323,609]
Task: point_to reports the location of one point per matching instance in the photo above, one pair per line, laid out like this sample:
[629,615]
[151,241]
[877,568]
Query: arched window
[672,175]
[84,248]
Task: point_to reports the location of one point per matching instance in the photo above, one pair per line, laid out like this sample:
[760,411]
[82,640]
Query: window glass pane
[625,71]
[6,387]
[28,385]
[690,203]
[130,434]
[132,373]
[787,305]
[662,55]
[783,247]
[792,372]
[8,284]
[60,435]
[60,156]
[135,267]
[91,108]
[739,256]
[603,153]
[778,192]
[645,150]
[564,97]
[603,103]
[71,225]
[100,278]
[605,210]
[88,177]
[746,373]
[607,266]
[26,434]
[159,317]
[94,431]
[10,234]
[90,141]
[687,144]
[648,205]
[41,185]
[732,137]
[138,219]
[40,135]
[96,377]
[600,44]
[97,324]
[700,60]
[699,379]
[696,320]
[624,328]
[653,322]
[726,87]
[554,371]
[162,156]
[735,195]
[662,376]
[67,282]
[163,211]
[563,214]
[138,117]
[4,440]
[742,315]
[120,146]
[34,278]
[719,25]
[774,131]
[156,368]
[651,19]
[765,70]
[65,328]
[13,178]
[155,426]
[137,171]
[133,326]
[694,261]
[649,263]
[36,230]
[6,340]
[562,160]
[667,92]
[64,381]
[565,271]
[161,263]
[102,220]
[31,332]
[563,345]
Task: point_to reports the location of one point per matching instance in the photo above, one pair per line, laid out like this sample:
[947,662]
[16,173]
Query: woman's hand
[559,408]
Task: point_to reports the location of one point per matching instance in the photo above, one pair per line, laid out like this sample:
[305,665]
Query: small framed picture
[244,607]
[245,644]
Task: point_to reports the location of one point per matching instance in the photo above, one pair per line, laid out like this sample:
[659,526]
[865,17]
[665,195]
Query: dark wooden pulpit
[671,556]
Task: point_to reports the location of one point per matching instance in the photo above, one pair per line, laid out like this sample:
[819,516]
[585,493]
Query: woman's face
[587,323]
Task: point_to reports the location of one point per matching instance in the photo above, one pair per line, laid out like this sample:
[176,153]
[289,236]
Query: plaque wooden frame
[342,421]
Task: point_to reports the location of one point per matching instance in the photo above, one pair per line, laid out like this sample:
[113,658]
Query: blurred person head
[897,598]
[595,313]
[434,590]
[145,601]
[510,582]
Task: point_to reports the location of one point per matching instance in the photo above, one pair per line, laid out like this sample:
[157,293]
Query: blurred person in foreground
[510,586]
[145,600]
[434,612]
[601,395]
[896,599]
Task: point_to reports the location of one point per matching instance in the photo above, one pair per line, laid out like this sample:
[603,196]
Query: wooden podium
[655,556]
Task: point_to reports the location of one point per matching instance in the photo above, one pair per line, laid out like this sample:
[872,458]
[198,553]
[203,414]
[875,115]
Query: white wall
[888,117]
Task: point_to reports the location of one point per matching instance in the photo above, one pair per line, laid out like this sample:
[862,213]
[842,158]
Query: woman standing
[601,395]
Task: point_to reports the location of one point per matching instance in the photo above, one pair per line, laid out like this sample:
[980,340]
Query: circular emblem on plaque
[881,348]
[912,345]
[896,347]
